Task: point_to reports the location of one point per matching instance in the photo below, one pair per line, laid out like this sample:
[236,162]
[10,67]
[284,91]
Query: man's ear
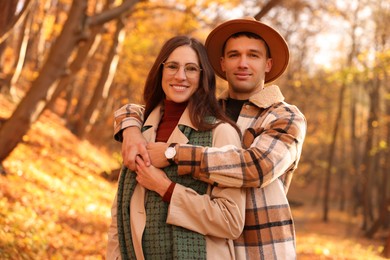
[268,65]
[222,63]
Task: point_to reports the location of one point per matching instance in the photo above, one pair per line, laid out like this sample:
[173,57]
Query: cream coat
[219,215]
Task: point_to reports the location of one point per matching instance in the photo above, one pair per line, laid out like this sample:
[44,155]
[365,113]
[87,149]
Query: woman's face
[181,73]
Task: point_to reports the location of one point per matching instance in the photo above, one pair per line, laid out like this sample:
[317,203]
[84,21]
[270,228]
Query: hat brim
[276,43]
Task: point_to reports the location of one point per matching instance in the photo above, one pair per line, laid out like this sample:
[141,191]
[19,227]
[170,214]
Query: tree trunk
[104,83]
[78,109]
[31,106]
[25,17]
[342,173]
[356,148]
[386,166]
[332,148]
[85,51]
[386,180]
[9,18]
[4,78]
[36,49]
[22,46]
[368,159]
[380,221]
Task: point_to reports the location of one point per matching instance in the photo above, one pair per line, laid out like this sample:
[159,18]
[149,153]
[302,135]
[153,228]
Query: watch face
[170,152]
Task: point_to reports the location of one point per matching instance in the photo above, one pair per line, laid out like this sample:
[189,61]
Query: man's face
[245,64]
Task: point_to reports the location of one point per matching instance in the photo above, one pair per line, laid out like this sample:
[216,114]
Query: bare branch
[268,6]
[113,13]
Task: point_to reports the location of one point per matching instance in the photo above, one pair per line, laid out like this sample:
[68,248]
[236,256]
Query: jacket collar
[265,98]
[153,120]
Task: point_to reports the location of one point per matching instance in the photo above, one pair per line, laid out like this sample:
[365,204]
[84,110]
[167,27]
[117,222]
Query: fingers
[143,152]
[140,162]
[133,144]
[129,154]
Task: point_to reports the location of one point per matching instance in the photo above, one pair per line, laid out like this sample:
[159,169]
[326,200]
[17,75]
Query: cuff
[168,194]
[188,159]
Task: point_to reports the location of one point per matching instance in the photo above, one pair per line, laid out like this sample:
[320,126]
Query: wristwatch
[170,153]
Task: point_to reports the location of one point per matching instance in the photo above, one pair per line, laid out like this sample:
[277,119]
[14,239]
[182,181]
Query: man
[247,54]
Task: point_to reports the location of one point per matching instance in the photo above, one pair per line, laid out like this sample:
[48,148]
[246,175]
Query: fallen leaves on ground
[339,238]
[53,202]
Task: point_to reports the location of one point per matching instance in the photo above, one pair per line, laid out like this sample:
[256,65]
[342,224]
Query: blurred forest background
[66,66]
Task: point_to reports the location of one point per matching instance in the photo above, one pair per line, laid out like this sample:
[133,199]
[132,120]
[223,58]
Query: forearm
[272,152]
[220,214]
[239,167]
[128,115]
[127,129]
[222,167]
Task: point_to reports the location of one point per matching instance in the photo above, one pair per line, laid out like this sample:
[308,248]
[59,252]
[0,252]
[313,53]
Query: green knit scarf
[160,240]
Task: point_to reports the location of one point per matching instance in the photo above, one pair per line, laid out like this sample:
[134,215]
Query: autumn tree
[41,90]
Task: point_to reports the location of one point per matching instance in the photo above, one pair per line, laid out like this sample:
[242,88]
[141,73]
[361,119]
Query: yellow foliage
[53,202]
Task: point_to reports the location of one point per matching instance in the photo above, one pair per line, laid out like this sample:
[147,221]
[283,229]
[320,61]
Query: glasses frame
[171,72]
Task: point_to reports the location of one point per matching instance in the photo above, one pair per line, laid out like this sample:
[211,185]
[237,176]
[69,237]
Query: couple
[244,203]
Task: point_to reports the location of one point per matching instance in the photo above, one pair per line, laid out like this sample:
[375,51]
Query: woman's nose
[181,74]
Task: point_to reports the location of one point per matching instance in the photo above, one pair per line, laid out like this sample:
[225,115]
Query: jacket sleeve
[126,116]
[221,212]
[273,148]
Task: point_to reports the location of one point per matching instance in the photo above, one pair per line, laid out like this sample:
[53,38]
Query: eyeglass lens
[191,69]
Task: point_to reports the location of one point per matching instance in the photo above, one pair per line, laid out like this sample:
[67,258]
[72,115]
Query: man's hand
[134,144]
[151,177]
[156,152]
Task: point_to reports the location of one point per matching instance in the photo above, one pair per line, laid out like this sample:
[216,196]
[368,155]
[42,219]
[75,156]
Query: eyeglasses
[190,69]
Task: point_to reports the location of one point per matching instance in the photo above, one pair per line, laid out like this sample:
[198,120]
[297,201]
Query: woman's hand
[151,177]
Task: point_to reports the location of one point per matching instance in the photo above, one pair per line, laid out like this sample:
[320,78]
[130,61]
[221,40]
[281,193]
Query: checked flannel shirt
[273,134]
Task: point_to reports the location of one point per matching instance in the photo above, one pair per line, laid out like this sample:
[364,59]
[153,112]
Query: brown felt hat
[276,43]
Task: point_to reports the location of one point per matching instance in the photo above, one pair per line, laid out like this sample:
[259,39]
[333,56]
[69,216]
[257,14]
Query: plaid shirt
[273,134]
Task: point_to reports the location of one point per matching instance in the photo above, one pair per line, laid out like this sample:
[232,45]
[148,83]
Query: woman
[192,220]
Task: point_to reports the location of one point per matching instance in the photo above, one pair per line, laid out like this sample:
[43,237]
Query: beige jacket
[219,215]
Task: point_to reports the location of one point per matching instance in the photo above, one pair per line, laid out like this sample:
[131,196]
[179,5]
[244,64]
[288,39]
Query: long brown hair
[203,102]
